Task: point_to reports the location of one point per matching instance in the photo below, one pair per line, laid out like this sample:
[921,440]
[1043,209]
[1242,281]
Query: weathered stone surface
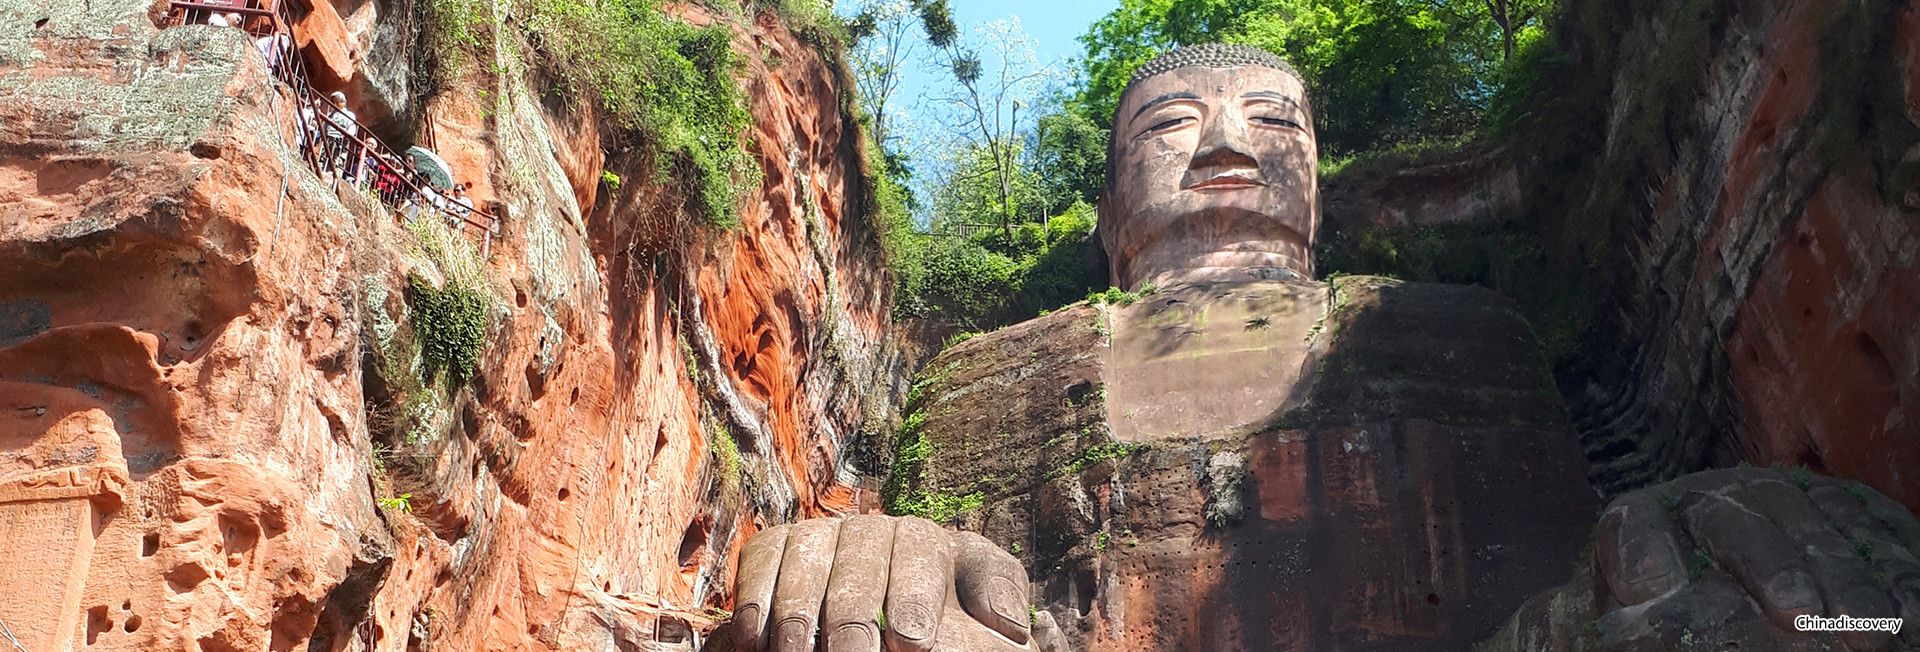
[1726,559]
[1211,358]
[1429,433]
[183,462]
[1476,186]
[595,498]
[368,49]
[1749,217]
[188,457]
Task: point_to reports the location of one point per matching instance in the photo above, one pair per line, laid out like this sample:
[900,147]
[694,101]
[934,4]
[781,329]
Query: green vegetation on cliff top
[668,81]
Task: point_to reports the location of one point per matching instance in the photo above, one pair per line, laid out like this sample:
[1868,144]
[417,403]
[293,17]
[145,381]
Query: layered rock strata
[200,450]
[1747,216]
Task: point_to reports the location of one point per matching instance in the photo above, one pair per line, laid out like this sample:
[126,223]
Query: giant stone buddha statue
[1246,458]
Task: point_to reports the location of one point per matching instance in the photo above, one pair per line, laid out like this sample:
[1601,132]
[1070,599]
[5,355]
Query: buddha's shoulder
[1451,353]
[1442,310]
[1438,320]
[1042,355]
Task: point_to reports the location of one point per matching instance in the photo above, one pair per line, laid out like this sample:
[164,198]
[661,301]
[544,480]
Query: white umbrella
[431,166]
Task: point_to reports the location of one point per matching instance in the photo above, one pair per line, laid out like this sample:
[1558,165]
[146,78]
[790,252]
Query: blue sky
[1054,25]
[1052,29]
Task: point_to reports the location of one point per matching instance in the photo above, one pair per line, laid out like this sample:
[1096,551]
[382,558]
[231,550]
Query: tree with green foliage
[1512,17]
[986,103]
[978,191]
[882,45]
[1069,158]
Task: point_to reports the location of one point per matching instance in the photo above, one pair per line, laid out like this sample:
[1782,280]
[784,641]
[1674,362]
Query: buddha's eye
[1165,125]
[1276,122]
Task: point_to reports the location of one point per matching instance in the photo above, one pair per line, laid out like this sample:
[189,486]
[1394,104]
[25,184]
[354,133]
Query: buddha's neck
[1267,260]
[1188,276]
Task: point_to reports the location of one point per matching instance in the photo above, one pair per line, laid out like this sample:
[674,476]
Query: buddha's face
[1213,172]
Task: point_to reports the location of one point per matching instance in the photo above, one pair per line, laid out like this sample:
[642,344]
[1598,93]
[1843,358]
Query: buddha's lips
[1225,181]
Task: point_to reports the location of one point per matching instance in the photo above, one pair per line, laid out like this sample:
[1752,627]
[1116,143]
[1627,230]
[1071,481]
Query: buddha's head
[1211,170]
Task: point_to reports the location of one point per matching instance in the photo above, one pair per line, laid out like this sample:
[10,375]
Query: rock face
[1476,186]
[1748,217]
[197,453]
[1425,487]
[184,459]
[1708,214]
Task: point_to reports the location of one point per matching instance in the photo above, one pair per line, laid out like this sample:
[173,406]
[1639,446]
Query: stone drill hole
[97,623]
[563,494]
[132,625]
[149,544]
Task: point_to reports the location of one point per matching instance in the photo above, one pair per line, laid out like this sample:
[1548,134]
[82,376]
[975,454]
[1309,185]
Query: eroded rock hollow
[200,447]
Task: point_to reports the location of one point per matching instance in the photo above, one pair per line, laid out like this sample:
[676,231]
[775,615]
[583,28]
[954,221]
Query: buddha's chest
[1209,360]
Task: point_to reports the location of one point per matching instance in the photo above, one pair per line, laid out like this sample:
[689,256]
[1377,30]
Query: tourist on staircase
[343,145]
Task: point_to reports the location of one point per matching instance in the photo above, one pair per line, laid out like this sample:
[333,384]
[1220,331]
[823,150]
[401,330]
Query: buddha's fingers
[1753,550]
[803,584]
[1047,636]
[958,633]
[1638,548]
[759,569]
[918,585]
[991,585]
[857,589]
[1843,573]
[1845,504]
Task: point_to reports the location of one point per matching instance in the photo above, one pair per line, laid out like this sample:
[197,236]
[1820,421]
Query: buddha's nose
[1223,143]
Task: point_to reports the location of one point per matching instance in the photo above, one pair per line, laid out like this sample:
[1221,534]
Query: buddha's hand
[867,583]
[1735,556]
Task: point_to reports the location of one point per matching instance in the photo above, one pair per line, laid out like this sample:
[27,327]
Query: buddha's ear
[1103,216]
[1103,212]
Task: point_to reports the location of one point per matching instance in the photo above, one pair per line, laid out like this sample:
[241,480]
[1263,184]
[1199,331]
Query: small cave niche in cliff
[1812,460]
[1876,359]
[670,630]
[694,540]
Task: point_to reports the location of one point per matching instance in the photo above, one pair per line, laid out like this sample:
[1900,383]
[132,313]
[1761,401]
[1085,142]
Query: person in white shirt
[461,206]
[271,47]
[341,130]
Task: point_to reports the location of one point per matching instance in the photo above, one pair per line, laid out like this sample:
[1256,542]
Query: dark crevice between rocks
[349,605]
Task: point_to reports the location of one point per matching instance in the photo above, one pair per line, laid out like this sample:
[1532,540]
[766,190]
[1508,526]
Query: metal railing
[332,142]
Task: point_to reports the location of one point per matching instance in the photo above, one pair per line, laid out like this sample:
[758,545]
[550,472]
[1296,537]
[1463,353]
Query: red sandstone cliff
[1708,212]
[198,448]
[1748,216]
